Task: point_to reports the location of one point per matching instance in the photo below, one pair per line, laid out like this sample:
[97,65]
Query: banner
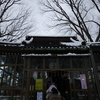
[39,95]
[39,84]
[83,81]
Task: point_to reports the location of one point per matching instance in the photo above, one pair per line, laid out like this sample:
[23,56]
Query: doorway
[60,79]
[79,83]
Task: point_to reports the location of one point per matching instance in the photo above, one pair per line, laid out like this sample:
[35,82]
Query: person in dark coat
[50,88]
[67,95]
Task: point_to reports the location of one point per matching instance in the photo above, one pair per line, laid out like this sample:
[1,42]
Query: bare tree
[13,24]
[75,16]
[97,4]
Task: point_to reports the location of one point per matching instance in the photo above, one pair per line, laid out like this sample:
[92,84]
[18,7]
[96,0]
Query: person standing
[50,88]
[67,95]
[55,95]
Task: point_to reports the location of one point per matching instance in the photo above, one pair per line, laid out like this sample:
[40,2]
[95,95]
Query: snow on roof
[79,43]
[49,54]
[5,42]
[94,43]
[29,41]
[50,36]
[73,43]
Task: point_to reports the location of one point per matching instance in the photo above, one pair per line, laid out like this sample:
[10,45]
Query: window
[64,62]
[78,62]
[50,62]
[36,63]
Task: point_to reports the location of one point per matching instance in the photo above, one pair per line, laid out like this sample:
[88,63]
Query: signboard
[39,95]
[39,84]
[83,81]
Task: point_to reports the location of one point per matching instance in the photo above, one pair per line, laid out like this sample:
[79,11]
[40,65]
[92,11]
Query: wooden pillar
[95,73]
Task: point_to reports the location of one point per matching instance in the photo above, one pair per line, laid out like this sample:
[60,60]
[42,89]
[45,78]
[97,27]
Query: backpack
[48,95]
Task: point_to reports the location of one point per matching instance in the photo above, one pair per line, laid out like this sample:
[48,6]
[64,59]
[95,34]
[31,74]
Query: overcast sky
[38,17]
[41,19]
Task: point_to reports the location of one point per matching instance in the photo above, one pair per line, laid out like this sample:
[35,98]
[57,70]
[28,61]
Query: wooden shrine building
[27,67]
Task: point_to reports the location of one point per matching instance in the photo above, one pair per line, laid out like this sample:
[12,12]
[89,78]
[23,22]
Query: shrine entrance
[79,83]
[28,80]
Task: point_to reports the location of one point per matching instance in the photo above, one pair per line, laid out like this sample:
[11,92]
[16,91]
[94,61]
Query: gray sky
[40,20]
[37,16]
[43,18]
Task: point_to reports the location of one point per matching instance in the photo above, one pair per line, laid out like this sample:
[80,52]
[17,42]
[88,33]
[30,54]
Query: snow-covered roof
[45,45]
[49,54]
[50,36]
